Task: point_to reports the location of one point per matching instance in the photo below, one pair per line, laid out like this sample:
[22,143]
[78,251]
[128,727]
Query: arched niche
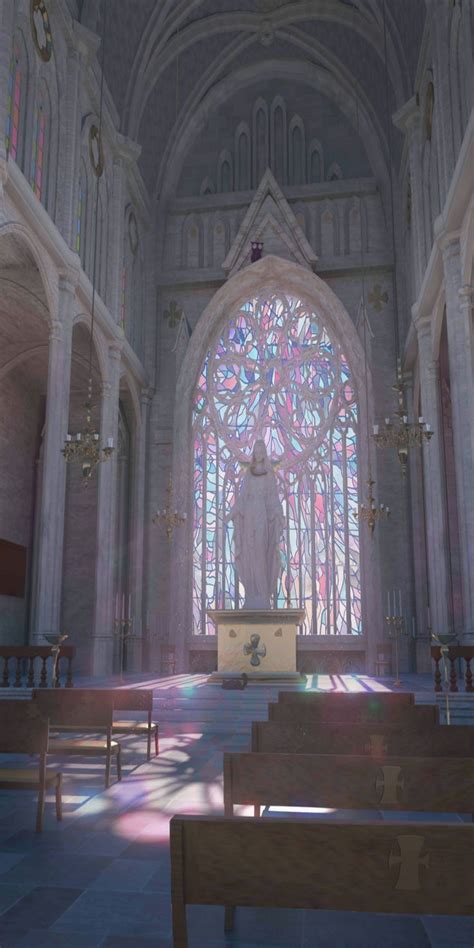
[270,273]
[24,352]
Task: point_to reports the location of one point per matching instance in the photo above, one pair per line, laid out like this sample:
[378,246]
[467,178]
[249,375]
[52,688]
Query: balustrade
[23,663]
[453,653]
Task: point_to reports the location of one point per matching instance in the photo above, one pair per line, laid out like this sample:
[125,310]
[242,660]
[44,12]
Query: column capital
[146,396]
[115,351]
[55,330]
[450,244]
[466,295]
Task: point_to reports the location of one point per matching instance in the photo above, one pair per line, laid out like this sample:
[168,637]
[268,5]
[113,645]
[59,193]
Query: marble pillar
[408,120]
[137,531]
[7,8]
[439,13]
[49,553]
[461,363]
[104,629]
[437,538]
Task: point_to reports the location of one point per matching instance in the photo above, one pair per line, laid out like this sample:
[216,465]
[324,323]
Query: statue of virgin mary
[258,526]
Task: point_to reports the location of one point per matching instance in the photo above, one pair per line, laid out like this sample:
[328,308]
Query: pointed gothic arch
[270,274]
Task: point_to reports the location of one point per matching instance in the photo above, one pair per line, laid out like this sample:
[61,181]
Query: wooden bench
[361,706]
[423,784]
[346,713]
[373,740]
[402,867]
[81,711]
[24,730]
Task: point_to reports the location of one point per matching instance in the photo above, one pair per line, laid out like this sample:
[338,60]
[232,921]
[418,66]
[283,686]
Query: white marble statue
[258,525]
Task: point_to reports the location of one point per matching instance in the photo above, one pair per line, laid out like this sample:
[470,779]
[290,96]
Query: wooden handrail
[453,652]
[19,661]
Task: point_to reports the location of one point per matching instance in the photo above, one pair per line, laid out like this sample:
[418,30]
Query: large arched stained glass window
[275,372]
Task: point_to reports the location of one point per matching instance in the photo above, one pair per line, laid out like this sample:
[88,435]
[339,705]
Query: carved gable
[270,220]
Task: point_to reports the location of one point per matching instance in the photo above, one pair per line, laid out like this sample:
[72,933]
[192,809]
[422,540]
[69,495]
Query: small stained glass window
[79,239]
[276,373]
[123,294]
[37,177]
[14,104]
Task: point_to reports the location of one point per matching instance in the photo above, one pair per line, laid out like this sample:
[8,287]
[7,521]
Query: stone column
[137,533]
[6,35]
[439,13]
[408,120]
[49,554]
[69,147]
[435,492]
[461,369]
[103,640]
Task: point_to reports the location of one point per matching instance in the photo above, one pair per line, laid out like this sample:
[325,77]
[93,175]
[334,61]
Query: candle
[387,421]
[123,606]
[388,602]
[399,602]
[110,442]
[421,420]
[78,437]
[375,429]
[68,437]
[129,606]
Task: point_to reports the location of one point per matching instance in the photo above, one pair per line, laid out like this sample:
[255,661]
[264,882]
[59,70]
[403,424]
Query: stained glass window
[14,104]
[276,373]
[80,213]
[123,295]
[39,146]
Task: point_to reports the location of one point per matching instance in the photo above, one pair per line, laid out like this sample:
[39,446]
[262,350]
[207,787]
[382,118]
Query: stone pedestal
[261,643]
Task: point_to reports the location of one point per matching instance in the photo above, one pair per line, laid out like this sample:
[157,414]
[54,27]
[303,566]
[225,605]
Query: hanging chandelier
[84,446]
[371,512]
[399,432]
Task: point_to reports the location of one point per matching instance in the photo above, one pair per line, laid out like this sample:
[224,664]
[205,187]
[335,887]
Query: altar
[259,642]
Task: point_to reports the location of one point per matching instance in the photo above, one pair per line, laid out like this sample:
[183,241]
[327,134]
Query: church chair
[78,712]
[136,699]
[400,867]
[122,699]
[345,712]
[417,784]
[24,730]
[373,740]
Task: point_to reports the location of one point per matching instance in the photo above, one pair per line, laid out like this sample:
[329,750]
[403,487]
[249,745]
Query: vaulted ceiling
[169,62]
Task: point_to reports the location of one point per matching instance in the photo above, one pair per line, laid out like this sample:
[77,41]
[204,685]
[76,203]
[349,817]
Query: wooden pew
[373,740]
[24,730]
[79,711]
[345,712]
[424,784]
[402,867]
[390,699]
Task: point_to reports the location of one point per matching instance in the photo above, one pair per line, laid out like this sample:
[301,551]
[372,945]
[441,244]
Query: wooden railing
[24,665]
[453,653]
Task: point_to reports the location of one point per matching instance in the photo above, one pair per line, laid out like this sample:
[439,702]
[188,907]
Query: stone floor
[102,876]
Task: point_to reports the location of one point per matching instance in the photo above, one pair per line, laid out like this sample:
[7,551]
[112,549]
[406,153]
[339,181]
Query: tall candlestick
[123,606]
[129,606]
[399,602]
[388,602]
